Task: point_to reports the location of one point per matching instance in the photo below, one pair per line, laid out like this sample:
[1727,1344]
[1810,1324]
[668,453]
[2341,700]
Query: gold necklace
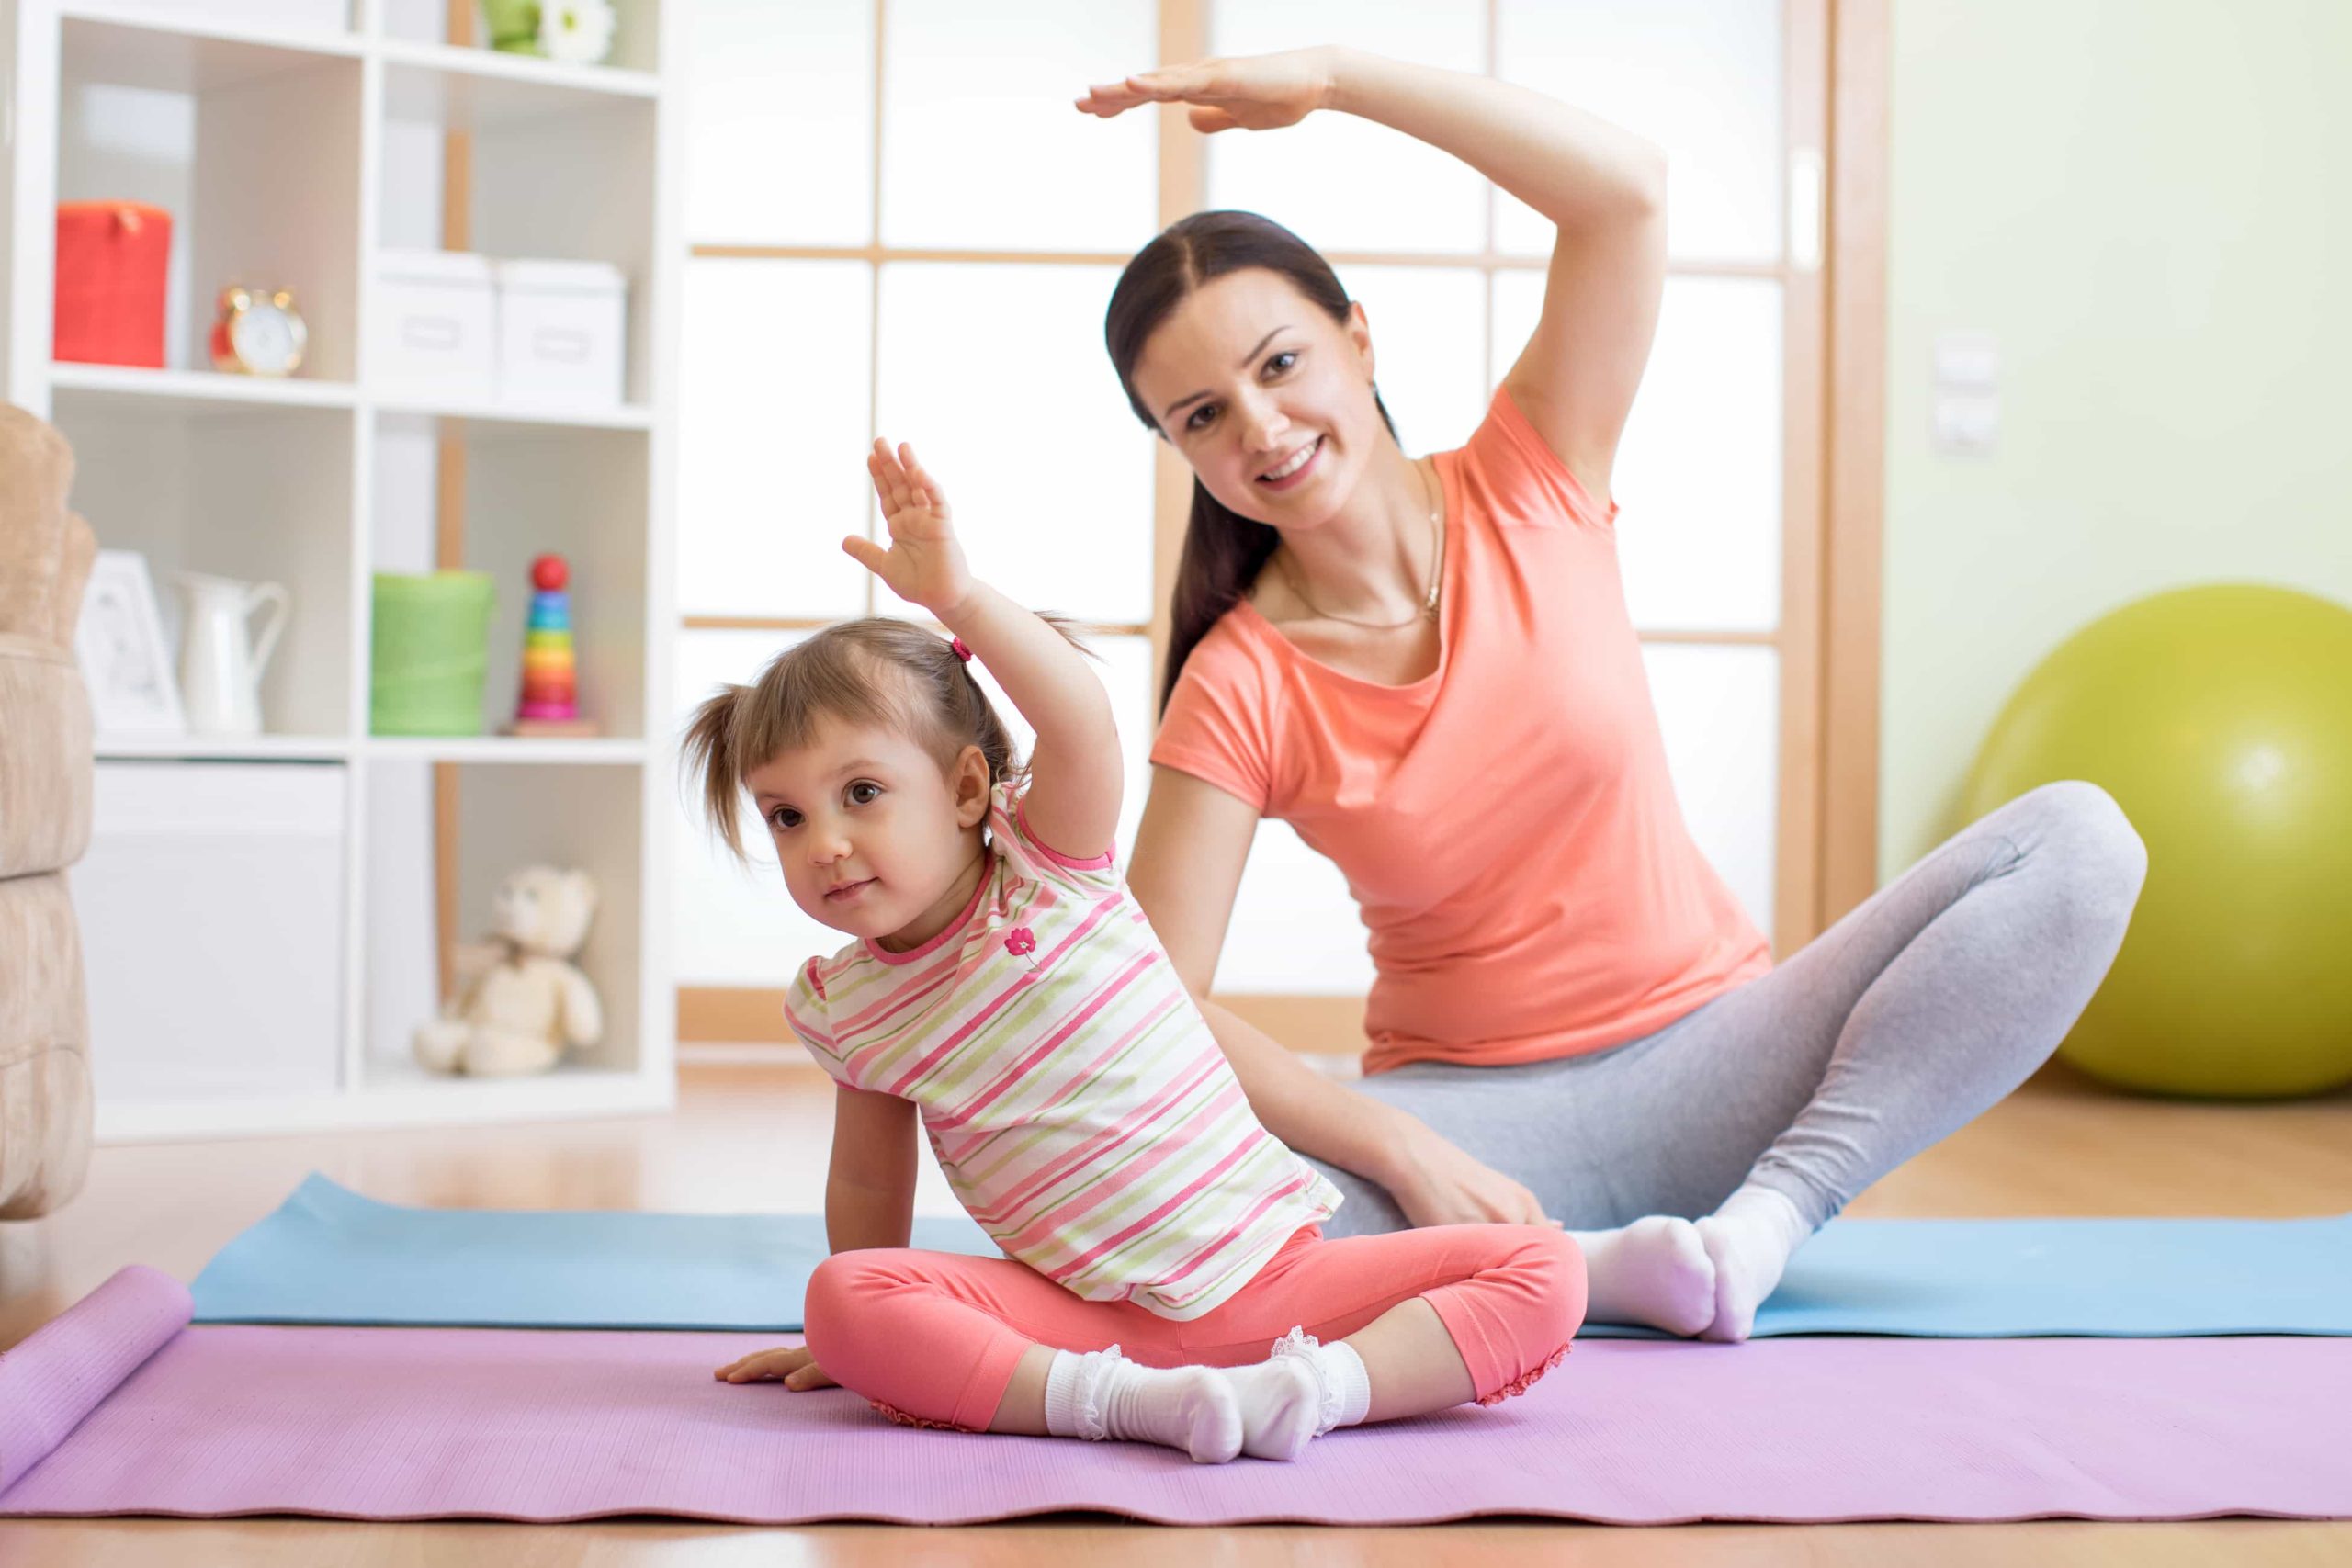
[1428,611]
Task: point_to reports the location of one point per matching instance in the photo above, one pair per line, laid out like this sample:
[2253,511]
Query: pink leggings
[933,1338]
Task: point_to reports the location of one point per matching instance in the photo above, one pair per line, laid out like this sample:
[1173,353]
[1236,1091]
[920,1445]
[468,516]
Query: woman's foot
[1750,1240]
[1656,1272]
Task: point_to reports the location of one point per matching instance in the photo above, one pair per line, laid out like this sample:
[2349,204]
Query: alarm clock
[259,334]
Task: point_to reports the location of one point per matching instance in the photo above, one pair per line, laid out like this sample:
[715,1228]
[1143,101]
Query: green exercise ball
[2220,719]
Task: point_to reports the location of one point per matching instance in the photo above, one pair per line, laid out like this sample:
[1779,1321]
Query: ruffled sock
[1100,1395]
[1297,1393]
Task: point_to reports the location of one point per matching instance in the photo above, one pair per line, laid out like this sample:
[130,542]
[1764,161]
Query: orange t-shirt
[1507,824]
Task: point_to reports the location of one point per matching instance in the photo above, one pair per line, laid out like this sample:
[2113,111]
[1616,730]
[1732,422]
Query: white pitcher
[221,663]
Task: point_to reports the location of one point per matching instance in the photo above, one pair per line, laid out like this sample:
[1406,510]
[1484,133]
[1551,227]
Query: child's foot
[1750,1239]
[1281,1404]
[1336,1387]
[1102,1394]
[1656,1272]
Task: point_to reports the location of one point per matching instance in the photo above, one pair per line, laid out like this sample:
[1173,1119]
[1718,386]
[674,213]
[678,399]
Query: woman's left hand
[1258,92]
[923,565]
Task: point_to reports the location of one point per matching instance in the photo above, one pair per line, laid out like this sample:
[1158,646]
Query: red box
[112,260]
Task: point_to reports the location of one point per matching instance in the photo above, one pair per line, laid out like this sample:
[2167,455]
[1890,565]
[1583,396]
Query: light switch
[1967,360]
[1967,393]
[1967,424]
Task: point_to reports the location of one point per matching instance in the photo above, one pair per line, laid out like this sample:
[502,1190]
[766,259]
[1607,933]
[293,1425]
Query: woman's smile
[1294,467]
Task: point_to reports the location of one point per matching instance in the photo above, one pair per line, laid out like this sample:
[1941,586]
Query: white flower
[577,32]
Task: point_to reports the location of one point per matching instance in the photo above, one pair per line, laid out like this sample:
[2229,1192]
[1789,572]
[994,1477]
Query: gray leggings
[1907,1018]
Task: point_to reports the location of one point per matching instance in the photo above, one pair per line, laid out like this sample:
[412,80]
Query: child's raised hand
[923,564]
[795,1368]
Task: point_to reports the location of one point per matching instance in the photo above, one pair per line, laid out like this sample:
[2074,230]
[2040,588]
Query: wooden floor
[754,1138]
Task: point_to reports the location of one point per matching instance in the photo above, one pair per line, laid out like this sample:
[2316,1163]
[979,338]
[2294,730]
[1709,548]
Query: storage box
[559,334]
[434,333]
[212,930]
[113,258]
[262,16]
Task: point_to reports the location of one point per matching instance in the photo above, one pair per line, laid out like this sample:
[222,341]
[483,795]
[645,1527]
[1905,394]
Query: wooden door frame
[1860,66]
[1827,829]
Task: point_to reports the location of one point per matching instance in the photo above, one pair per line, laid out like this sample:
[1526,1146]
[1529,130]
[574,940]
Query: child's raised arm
[1075,774]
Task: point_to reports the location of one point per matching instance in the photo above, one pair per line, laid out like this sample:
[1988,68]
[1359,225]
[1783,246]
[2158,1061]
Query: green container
[429,653]
[514,26]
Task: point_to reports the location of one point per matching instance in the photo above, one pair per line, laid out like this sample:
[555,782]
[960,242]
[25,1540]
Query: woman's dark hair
[1224,551]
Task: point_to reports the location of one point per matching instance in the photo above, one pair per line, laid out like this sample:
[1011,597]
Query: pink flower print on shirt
[1020,941]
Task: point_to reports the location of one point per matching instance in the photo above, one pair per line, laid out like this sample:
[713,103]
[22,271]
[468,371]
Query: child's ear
[970,777]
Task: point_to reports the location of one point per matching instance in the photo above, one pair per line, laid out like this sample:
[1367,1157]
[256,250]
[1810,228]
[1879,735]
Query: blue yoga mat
[328,1255]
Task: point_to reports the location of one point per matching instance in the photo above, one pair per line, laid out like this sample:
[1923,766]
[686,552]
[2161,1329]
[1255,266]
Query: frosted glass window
[731,924]
[1340,182]
[772,433]
[1295,930]
[1702,78]
[996,373]
[982,148]
[780,111]
[1699,469]
[1719,709]
[1429,337]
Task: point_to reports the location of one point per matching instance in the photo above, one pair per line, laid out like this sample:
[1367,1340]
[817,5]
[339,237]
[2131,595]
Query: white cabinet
[212,911]
[309,157]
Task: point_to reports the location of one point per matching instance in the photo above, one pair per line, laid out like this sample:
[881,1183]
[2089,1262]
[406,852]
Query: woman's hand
[795,1368]
[1258,92]
[923,565]
[1437,1184]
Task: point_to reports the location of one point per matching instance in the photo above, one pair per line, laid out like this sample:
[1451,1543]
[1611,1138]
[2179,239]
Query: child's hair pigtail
[712,750]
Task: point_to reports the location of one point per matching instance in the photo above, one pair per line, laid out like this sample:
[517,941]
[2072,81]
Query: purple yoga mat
[119,1406]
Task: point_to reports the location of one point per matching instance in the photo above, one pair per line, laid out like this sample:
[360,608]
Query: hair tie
[961,652]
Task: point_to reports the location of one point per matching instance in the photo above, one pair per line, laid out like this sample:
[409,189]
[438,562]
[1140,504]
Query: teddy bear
[519,1000]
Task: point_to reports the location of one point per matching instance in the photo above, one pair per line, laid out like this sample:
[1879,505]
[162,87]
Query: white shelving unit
[292,157]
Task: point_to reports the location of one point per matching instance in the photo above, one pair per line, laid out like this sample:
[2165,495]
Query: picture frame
[125,661]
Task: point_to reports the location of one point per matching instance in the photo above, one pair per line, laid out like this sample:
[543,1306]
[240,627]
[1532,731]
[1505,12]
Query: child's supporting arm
[870,1190]
[869,1201]
[1075,774]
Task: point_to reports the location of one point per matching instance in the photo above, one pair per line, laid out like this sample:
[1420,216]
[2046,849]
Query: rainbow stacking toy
[551,700]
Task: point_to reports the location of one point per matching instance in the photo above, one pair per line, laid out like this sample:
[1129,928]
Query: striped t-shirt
[1083,1110]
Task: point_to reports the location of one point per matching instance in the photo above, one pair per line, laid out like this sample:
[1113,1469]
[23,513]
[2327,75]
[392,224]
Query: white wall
[2146,204]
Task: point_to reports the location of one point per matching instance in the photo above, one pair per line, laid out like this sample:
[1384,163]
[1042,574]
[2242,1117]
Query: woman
[1427,667]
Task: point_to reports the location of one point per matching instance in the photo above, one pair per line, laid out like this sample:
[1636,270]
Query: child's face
[873,840]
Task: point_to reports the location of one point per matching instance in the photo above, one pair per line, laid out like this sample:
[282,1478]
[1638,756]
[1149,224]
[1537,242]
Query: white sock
[1302,1391]
[1281,1400]
[1751,1238]
[1655,1272]
[1100,1393]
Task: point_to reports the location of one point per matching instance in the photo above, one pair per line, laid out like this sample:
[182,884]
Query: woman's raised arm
[1602,187]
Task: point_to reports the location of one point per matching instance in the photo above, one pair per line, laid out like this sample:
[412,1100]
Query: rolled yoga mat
[119,1406]
[328,1255]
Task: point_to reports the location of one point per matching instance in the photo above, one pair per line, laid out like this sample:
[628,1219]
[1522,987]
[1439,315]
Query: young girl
[1005,989]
